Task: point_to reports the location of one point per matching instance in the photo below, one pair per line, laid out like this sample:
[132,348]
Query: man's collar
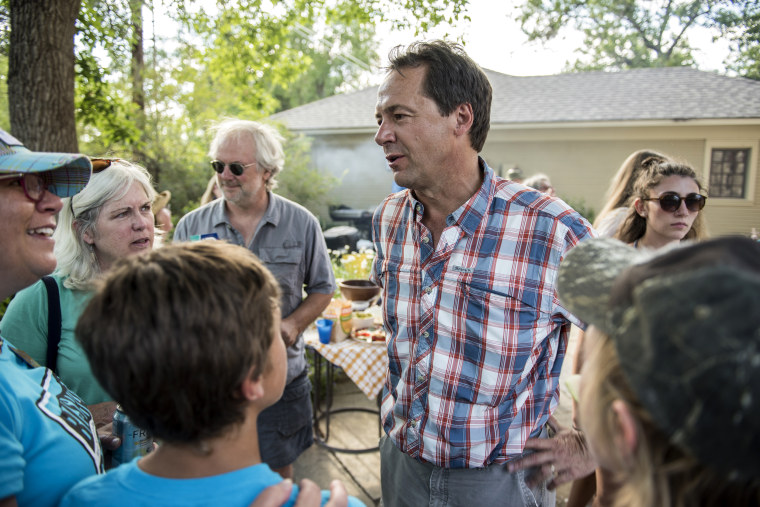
[470,214]
[272,215]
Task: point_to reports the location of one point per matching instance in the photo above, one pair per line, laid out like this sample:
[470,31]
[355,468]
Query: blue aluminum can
[134,441]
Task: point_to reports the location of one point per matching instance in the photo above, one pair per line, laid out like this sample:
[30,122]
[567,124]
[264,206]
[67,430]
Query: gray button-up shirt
[288,240]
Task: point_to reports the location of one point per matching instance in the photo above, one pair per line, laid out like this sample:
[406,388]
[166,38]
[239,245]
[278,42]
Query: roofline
[711,122]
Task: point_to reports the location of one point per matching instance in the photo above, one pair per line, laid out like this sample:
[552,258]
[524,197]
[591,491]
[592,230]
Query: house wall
[580,162]
[360,166]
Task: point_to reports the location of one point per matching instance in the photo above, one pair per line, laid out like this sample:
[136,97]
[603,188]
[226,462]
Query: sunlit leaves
[623,34]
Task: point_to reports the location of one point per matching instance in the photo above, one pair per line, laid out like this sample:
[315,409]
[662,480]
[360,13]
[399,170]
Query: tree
[623,34]
[41,73]
[245,58]
[741,24]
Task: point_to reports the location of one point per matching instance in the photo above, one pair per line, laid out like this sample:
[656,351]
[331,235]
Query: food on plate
[362,320]
[372,334]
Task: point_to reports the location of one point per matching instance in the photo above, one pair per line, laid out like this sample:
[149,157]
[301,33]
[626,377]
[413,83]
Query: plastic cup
[324,327]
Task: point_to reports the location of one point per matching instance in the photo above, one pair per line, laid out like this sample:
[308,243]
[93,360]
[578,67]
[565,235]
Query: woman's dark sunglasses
[236,168]
[670,201]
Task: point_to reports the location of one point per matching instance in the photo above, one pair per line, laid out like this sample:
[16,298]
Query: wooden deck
[361,472]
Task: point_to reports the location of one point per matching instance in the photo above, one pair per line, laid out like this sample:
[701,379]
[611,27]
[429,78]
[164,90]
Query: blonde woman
[212,191]
[109,219]
[619,194]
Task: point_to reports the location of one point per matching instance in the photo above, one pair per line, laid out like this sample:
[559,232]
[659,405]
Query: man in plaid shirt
[468,264]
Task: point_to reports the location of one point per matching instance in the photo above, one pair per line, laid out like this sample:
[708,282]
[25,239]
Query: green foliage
[624,34]
[582,208]
[238,58]
[352,265]
[4,305]
[299,181]
[335,54]
[740,23]
[101,111]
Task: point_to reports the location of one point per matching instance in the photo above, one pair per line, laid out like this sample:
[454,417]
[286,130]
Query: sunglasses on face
[236,168]
[671,201]
[34,185]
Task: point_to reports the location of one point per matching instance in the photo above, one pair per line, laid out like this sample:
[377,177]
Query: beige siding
[579,161]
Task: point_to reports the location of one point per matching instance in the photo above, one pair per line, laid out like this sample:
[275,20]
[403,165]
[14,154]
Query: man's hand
[560,459]
[289,331]
[102,414]
[108,441]
[309,495]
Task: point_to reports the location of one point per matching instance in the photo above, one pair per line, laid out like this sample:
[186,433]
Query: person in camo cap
[669,389]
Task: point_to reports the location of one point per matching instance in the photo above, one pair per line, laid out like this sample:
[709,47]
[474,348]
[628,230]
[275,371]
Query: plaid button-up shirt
[477,334]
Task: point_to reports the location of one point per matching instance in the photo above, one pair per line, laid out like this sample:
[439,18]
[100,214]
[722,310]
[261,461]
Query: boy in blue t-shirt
[187,340]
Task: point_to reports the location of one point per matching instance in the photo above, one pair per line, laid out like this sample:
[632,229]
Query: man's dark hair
[452,78]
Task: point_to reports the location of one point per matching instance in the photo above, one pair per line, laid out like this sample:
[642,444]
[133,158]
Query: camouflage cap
[686,326]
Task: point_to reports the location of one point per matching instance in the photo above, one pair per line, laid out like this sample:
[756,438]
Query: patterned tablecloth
[364,363]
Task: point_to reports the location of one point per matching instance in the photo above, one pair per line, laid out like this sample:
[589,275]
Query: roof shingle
[670,93]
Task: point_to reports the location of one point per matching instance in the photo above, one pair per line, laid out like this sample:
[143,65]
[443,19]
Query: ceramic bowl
[358,290]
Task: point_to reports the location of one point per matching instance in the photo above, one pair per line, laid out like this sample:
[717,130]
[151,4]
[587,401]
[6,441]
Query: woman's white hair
[76,259]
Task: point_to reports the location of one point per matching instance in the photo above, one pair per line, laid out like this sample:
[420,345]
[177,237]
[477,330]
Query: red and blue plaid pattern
[477,334]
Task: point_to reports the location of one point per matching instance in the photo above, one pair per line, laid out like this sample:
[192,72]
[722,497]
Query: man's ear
[627,433]
[464,119]
[641,207]
[252,387]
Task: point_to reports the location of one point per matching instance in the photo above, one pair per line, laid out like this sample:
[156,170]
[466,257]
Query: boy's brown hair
[171,335]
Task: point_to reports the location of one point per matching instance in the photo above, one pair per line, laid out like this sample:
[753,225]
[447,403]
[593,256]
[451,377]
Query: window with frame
[729,172]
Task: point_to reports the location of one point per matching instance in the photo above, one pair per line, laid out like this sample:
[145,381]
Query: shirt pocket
[496,332]
[401,292]
[285,264]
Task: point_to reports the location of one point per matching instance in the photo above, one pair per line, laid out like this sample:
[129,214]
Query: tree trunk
[41,73]
[137,72]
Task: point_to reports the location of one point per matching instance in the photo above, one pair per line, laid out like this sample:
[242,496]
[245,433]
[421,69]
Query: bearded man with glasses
[246,157]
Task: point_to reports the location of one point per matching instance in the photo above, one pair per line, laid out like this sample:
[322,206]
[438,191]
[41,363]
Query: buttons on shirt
[413,424]
[425,334]
[426,239]
[428,290]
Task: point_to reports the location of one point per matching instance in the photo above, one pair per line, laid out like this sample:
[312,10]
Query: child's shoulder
[108,488]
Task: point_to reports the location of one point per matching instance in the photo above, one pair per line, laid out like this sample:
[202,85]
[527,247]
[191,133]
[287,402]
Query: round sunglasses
[236,168]
[670,201]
